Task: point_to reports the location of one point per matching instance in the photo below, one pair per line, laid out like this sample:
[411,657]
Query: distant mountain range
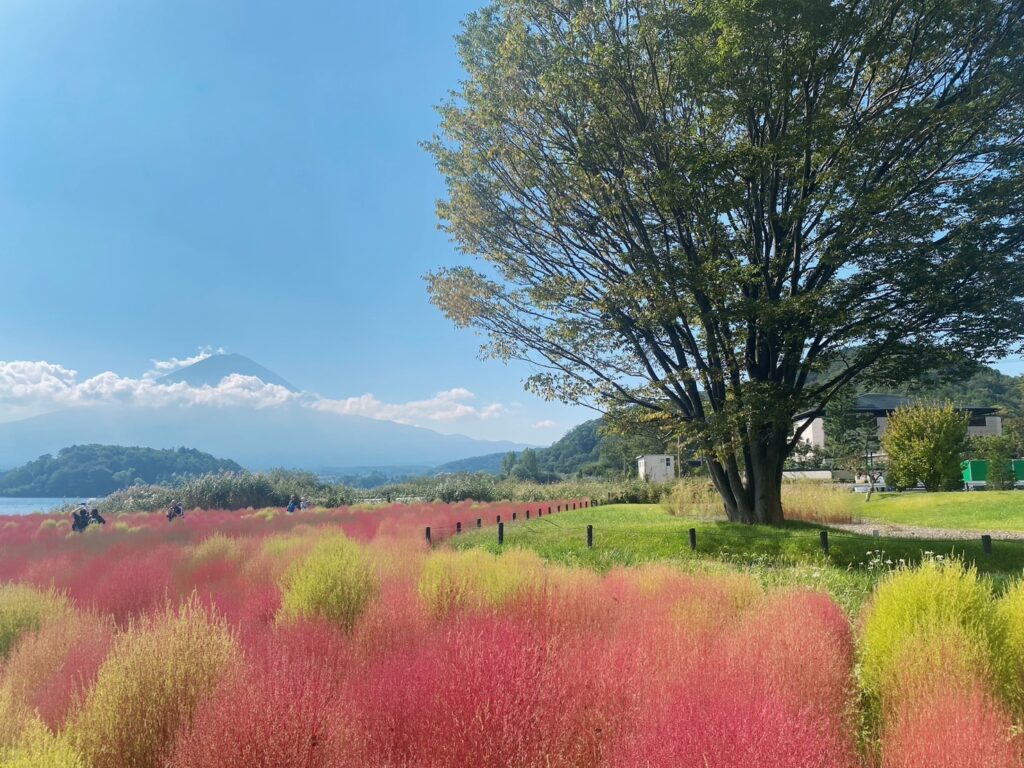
[290,435]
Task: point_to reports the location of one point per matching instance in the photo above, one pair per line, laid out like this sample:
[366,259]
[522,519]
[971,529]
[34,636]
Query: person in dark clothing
[293,504]
[80,519]
[96,517]
[175,511]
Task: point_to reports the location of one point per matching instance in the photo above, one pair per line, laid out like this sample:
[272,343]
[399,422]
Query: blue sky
[245,175]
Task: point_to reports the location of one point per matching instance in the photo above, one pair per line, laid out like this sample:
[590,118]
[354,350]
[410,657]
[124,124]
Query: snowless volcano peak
[211,371]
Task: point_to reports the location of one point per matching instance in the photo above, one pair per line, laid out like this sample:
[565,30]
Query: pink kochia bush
[772,687]
[175,648]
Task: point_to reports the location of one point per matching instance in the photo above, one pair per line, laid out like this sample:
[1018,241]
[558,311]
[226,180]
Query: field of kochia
[341,638]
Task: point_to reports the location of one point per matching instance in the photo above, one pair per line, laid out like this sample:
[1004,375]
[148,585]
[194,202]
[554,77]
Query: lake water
[26,506]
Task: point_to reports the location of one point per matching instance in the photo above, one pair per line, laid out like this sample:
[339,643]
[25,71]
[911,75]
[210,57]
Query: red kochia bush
[54,666]
[484,690]
[279,710]
[774,689]
[951,727]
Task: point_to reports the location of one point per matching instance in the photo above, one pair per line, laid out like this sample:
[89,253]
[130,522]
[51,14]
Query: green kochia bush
[938,603]
[24,609]
[477,580]
[335,581]
[155,676]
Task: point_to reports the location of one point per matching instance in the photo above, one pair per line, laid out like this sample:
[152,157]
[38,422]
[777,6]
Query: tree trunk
[753,496]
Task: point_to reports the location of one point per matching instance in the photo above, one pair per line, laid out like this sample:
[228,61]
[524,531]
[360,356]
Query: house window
[668,462]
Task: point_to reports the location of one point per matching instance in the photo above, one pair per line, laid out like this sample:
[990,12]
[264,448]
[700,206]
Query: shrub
[475,579]
[53,667]
[280,709]
[777,692]
[23,609]
[924,444]
[951,726]
[817,502]
[155,676]
[38,747]
[1011,610]
[695,497]
[935,601]
[335,581]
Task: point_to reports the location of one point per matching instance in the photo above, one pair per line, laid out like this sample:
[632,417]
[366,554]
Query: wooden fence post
[429,542]
[501,534]
[590,537]
[824,542]
[458,527]
[986,545]
[693,539]
[479,523]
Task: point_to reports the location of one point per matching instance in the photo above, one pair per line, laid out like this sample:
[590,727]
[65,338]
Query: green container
[1018,470]
[975,470]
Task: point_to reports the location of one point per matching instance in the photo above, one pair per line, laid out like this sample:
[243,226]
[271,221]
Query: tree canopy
[97,470]
[697,206]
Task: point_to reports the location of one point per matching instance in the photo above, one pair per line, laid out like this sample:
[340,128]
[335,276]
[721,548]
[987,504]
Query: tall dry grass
[801,500]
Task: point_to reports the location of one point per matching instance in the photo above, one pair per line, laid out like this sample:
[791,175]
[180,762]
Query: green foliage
[474,579]
[24,609]
[231,490]
[1011,611]
[38,747]
[999,452]
[753,215]
[851,438]
[925,444]
[915,608]
[149,686]
[335,581]
[96,470]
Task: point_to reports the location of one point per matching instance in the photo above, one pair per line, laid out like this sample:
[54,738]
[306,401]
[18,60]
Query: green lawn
[975,510]
[632,534]
[629,534]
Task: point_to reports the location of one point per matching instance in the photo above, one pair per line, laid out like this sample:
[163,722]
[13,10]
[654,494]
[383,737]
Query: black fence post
[499,519]
[549,510]
[428,536]
[824,542]
[986,545]
[479,523]
[513,517]
[693,539]
[501,534]
[527,514]
[590,537]
[559,507]
[458,527]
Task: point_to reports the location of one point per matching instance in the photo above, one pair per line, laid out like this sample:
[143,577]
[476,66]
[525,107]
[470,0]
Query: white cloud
[163,367]
[545,424]
[41,386]
[449,405]
[32,387]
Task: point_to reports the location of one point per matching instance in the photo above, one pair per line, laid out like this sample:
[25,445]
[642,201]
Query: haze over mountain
[293,431]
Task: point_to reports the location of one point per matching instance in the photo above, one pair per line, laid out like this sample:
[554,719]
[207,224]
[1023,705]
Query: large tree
[697,207]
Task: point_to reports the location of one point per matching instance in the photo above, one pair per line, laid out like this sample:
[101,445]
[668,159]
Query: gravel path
[918,532]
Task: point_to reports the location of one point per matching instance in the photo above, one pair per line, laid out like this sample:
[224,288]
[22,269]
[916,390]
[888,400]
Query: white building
[656,467]
[983,421]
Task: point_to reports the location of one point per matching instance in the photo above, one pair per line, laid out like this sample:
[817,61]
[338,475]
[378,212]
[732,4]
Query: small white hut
[656,467]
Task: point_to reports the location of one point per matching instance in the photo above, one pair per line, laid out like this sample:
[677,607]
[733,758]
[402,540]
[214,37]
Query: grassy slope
[977,510]
[627,534]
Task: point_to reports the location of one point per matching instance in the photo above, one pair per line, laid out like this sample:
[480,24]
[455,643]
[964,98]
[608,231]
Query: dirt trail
[922,532]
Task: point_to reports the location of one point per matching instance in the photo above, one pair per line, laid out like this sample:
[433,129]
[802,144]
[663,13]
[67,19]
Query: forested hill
[96,470]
